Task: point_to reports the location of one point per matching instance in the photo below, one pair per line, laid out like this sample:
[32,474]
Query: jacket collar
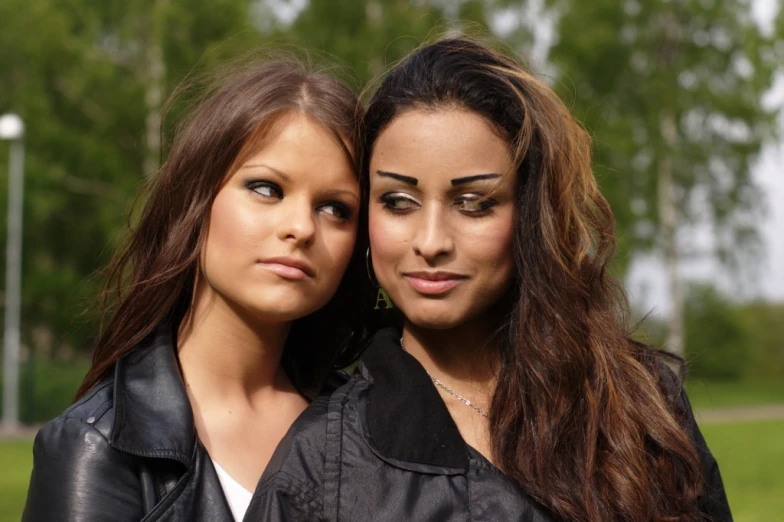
[407,419]
[152,413]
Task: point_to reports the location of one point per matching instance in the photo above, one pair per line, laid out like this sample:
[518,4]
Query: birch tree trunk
[668,214]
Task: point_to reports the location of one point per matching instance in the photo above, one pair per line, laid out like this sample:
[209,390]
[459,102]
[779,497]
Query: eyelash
[484,205]
[390,199]
[342,211]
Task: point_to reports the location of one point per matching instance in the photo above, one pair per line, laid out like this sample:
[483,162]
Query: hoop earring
[369,268]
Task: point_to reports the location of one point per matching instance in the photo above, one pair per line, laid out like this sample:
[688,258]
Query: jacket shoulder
[309,433]
[304,444]
[95,409]
[293,484]
[77,474]
[713,500]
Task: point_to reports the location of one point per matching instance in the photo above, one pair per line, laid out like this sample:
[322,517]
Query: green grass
[718,394]
[750,457]
[17,459]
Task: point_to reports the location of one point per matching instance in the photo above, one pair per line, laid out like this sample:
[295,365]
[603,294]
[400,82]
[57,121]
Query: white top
[237,496]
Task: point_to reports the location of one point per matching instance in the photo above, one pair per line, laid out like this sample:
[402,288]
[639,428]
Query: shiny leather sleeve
[77,476]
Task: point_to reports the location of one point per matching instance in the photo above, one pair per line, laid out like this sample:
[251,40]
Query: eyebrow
[276,171]
[399,177]
[469,179]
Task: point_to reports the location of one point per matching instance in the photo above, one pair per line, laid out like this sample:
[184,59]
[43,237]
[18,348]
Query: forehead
[437,142]
[296,144]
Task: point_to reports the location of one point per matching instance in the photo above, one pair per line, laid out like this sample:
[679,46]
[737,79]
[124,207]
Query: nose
[433,238]
[297,223]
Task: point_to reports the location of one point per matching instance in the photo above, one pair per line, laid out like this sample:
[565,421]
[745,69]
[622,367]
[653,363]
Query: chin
[435,320]
[280,310]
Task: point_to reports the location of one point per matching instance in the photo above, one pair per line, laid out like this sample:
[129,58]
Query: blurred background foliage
[671,90]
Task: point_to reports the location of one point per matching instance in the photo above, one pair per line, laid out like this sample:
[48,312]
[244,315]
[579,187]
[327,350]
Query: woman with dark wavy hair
[223,317]
[513,390]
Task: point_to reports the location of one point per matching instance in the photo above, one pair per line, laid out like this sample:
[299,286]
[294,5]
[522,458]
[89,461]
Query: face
[441,216]
[283,226]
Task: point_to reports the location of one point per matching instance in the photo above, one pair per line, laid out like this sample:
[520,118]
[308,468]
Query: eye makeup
[264,188]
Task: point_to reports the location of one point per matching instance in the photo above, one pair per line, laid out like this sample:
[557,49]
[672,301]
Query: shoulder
[80,434]
[293,484]
[75,468]
[304,445]
[713,500]
[93,413]
[299,459]
[290,488]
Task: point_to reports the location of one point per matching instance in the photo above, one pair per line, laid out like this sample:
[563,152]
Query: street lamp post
[12,128]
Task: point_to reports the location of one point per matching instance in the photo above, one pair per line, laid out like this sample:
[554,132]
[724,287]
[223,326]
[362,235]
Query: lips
[434,283]
[289,267]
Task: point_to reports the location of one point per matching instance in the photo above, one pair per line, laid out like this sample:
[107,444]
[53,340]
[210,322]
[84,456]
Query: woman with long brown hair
[224,308]
[511,390]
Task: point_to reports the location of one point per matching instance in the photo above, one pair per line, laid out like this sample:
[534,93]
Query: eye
[340,211]
[398,202]
[475,204]
[265,189]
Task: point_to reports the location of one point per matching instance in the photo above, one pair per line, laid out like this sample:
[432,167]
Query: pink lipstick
[433,283]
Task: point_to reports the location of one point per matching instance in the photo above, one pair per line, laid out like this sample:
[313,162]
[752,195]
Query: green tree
[716,338]
[764,324]
[672,93]
[368,36]
[89,78]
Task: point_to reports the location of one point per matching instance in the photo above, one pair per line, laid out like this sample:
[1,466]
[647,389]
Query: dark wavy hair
[151,278]
[583,419]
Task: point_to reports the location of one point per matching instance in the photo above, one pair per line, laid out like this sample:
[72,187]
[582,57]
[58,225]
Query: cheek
[491,246]
[388,239]
[232,231]
[339,248]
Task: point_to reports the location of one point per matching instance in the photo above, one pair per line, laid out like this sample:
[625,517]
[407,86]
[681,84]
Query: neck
[466,355]
[227,356]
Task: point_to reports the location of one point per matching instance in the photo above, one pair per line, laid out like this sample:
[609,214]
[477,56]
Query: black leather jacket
[127,451]
[384,447]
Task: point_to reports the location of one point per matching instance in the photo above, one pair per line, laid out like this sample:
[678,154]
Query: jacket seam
[290,484]
[351,388]
[155,452]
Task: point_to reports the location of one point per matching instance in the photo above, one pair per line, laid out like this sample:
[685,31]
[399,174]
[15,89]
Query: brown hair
[582,418]
[150,280]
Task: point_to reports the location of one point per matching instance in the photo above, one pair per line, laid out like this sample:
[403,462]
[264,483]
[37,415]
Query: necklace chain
[449,390]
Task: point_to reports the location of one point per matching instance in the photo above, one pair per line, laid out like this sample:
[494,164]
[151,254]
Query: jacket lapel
[407,419]
[197,496]
[153,416]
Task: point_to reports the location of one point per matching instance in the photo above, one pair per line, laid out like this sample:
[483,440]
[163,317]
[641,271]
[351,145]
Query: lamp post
[12,128]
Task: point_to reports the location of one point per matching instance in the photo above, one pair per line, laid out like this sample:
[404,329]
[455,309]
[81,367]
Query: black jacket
[128,450]
[384,447]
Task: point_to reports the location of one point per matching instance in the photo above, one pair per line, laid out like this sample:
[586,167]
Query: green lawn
[17,459]
[718,394]
[751,456]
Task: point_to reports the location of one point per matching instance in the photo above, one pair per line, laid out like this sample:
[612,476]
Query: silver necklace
[449,390]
